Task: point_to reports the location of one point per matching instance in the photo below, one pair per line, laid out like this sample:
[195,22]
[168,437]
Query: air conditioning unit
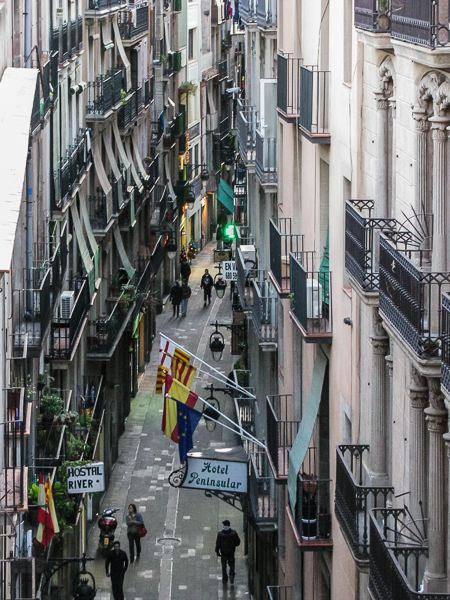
[313,299]
[248,254]
[66,304]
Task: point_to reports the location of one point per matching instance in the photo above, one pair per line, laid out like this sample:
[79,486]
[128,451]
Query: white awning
[137,155]
[137,181]
[120,148]
[106,35]
[90,234]
[17,90]
[101,174]
[123,253]
[112,161]
[123,54]
[84,251]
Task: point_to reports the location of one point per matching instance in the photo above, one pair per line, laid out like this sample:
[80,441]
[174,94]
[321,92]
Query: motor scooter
[107,524]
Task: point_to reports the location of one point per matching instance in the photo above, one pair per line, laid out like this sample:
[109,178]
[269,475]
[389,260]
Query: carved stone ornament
[435,394]
[378,329]
[386,73]
[417,381]
[429,93]
[436,423]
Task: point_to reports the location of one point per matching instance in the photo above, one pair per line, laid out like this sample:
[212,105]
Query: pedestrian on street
[206,284]
[175,297]
[185,270]
[226,543]
[185,295]
[116,566]
[133,520]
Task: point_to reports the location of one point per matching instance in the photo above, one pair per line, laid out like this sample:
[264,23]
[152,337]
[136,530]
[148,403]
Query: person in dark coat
[175,297]
[206,284]
[226,543]
[133,520]
[185,295]
[185,270]
[116,566]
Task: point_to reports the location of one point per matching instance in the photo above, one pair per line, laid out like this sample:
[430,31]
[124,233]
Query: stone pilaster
[378,441]
[440,137]
[418,394]
[381,190]
[436,417]
[422,126]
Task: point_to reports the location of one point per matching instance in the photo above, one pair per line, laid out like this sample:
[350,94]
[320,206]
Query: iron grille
[373,15]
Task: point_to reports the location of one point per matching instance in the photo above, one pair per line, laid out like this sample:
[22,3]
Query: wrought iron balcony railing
[373,15]
[288,82]
[311,302]
[72,168]
[59,263]
[32,310]
[117,84]
[247,11]
[105,332]
[280,592]
[133,24]
[398,556]
[97,211]
[265,312]
[411,299]
[222,68]
[266,158]
[100,96]
[314,103]
[67,329]
[246,128]
[262,489]
[282,430]
[266,13]
[445,343]
[312,518]
[246,274]
[282,243]
[16,426]
[422,22]
[354,500]
[106,4]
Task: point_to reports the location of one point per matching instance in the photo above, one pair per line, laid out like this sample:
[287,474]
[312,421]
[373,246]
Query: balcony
[266,13]
[354,500]
[98,212]
[280,592]
[100,98]
[32,310]
[445,348]
[222,68]
[398,556]
[67,329]
[424,22]
[311,522]
[244,237]
[152,170]
[411,299]
[266,158]
[101,8]
[247,273]
[247,11]
[246,129]
[311,305]
[282,243]
[105,331]
[262,491]
[157,130]
[224,126]
[314,104]
[132,106]
[282,430]
[169,137]
[288,81]
[133,25]
[265,313]
[71,170]
[373,15]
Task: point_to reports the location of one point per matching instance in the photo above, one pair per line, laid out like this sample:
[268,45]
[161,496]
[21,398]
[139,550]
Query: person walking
[133,520]
[206,284]
[175,297]
[226,543]
[185,295]
[116,566]
[185,270]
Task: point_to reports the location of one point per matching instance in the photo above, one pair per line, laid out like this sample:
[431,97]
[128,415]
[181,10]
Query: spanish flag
[182,371]
[48,523]
[182,394]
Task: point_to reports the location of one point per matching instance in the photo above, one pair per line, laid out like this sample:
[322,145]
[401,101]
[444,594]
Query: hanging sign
[229,272]
[86,478]
[210,474]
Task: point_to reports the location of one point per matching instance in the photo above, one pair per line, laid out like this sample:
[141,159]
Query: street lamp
[216,344]
[204,175]
[190,199]
[171,246]
[220,286]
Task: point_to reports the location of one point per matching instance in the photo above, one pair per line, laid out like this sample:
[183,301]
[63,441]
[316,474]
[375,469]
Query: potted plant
[128,295]
[33,495]
[76,447]
[51,405]
[67,417]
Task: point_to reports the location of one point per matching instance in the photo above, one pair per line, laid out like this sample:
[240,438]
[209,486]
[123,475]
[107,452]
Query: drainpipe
[29,169]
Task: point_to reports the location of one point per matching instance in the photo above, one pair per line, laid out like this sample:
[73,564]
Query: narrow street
[178,558]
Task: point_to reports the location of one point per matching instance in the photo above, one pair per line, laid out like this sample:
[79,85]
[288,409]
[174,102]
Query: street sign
[221,255]
[219,475]
[86,478]
[229,272]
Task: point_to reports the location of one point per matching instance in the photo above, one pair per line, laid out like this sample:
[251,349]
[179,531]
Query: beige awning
[17,90]
[112,161]
[106,35]
[120,148]
[101,174]
[90,234]
[123,253]
[84,250]
[123,54]
[137,155]
[136,178]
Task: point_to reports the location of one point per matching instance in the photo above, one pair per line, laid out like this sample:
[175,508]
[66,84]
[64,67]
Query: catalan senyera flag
[160,378]
[48,523]
[168,353]
[181,355]
[182,394]
[182,371]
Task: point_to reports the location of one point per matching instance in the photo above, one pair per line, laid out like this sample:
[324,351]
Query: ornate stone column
[378,441]
[440,136]
[381,189]
[422,126]
[436,417]
[418,394]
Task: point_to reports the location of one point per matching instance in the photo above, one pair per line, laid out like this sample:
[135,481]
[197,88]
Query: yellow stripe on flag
[183,372]
[181,355]
[160,378]
[182,394]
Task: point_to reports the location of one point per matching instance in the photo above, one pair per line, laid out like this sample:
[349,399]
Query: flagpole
[241,431]
[231,383]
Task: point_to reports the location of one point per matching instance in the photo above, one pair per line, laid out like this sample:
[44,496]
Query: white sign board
[229,272]
[87,478]
[209,474]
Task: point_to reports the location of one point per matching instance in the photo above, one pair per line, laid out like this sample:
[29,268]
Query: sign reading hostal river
[85,478]
[223,475]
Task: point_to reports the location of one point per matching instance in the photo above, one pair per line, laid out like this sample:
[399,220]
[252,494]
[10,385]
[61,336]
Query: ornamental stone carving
[435,394]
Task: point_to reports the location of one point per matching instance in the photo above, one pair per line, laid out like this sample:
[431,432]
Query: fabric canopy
[226,196]
[305,431]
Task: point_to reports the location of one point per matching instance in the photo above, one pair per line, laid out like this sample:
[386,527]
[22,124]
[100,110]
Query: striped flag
[181,355]
[160,378]
[48,523]
[182,394]
[182,371]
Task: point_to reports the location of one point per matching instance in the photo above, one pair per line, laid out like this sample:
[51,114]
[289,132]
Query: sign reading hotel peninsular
[209,474]
[85,478]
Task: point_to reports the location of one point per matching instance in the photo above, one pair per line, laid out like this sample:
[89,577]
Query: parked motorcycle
[107,524]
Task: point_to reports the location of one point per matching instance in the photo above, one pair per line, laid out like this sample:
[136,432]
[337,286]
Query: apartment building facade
[345,290]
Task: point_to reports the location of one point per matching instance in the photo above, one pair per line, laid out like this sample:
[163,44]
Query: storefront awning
[17,90]
[305,431]
[226,196]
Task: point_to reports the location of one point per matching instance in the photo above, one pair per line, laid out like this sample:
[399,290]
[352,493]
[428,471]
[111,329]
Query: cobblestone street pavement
[178,559]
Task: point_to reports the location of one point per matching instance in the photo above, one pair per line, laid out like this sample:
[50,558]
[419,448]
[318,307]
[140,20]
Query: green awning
[324,273]
[226,196]
[305,431]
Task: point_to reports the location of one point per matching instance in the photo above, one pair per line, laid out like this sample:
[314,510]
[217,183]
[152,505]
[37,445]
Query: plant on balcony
[123,96]
[292,300]
[33,495]
[187,87]
[128,295]
[76,447]
[85,421]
